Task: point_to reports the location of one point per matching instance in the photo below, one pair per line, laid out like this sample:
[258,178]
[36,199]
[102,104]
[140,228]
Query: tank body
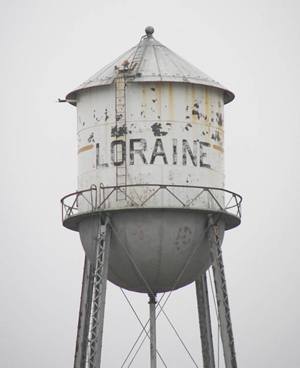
[174,136]
[167,142]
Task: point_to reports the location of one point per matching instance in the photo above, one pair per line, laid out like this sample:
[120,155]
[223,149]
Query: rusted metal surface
[159,63]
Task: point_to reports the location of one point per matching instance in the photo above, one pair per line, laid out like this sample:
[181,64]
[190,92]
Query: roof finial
[149,31]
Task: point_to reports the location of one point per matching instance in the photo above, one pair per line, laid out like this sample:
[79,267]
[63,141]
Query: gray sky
[48,48]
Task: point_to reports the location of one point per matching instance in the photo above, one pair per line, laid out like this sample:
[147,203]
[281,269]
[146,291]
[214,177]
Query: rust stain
[158,94]
[194,117]
[219,148]
[171,101]
[206,102]
[143,111]
[207,108]
[85,148]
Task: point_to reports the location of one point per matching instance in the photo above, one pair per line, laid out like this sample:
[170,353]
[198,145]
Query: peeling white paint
[174,136]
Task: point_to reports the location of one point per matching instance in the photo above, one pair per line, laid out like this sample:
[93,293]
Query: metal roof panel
[157,63]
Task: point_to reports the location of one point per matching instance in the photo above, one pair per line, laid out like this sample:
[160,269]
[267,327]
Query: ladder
[120,131]
[138,55]
[120,135]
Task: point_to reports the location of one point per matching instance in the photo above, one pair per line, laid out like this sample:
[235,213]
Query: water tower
[151,208]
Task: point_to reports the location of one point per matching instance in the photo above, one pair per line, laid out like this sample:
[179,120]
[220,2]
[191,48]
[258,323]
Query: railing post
[100,197]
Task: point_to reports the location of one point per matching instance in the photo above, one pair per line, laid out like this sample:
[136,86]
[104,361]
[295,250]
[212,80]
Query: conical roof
[150,61]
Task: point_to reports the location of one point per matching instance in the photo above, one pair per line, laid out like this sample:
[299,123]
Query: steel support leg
[99,293]
[205,322]
[221,294]
[84,314]
[152,302]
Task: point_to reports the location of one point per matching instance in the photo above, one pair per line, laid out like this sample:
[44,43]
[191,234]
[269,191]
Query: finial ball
[149,30]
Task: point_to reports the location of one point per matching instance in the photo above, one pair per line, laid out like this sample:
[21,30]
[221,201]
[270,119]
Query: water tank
[151,156]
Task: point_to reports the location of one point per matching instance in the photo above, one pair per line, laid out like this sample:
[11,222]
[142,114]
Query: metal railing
[97,199]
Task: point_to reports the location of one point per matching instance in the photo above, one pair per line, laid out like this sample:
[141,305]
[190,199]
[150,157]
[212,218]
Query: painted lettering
[139,151]
[118,152]
[187,149]
[158,150]
[203,154]
[174,151]
[98,160]
[193,153]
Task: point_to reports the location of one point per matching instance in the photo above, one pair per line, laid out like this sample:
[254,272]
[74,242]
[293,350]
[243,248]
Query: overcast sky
[47,49]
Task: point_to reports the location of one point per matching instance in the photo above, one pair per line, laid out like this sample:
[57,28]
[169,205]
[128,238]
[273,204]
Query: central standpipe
[152,303]
[205,322]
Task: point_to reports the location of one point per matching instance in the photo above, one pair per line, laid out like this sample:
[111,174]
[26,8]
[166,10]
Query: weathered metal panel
[174,135]
[168,247]
[158,64]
